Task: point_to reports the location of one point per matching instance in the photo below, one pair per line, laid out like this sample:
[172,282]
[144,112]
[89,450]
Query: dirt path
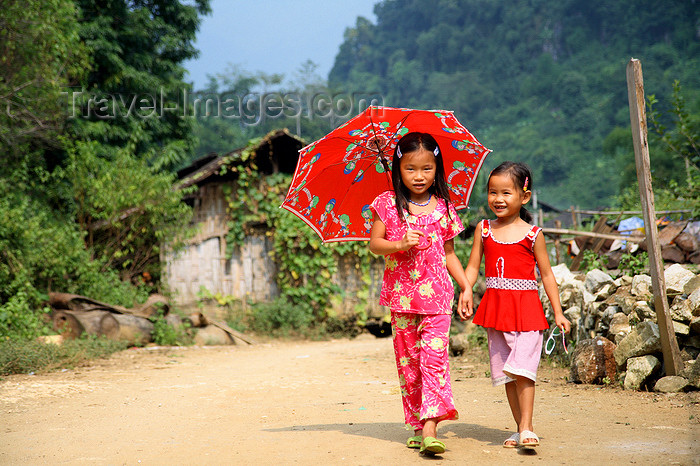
[331,402]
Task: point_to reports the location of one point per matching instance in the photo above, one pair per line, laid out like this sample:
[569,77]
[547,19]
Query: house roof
[277,151]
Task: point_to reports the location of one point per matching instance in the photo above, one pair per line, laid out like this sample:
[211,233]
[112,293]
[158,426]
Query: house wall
[249,274]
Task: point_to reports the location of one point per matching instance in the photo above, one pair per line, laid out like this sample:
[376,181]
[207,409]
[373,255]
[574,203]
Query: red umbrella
[339,175]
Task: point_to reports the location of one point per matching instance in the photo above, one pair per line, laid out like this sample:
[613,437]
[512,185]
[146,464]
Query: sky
[272,36]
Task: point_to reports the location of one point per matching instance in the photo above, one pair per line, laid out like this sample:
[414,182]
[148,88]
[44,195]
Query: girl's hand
[562,322]
[465,304]
[410,239]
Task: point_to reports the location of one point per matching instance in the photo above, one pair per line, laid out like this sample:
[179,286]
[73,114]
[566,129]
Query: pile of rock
[615,331]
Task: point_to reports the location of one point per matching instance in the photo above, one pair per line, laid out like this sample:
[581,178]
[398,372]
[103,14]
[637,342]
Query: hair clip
[436,151]
[398,152]
[525,185]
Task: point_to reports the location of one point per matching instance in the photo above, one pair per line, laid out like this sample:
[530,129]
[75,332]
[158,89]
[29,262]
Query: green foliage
[541,82]
[279,317]
[18,319]
[84,196]
[634,264]
[237,106]
[478,338]
[305,265]
[126,208]
[136,55]
[592,260]
[21,356]
[40,253]
[165,334]
[683,139]
[40,54]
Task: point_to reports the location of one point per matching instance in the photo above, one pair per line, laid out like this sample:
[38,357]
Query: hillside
[541,81]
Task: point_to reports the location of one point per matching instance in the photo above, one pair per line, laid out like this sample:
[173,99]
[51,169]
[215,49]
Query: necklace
[430,197]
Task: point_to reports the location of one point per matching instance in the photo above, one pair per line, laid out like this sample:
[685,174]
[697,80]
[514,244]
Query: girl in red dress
[511,310]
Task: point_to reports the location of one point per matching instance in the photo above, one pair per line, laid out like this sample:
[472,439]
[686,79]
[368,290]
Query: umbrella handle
[424,242]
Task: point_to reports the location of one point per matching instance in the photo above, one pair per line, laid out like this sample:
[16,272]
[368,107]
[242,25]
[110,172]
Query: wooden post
[557,243]
[635,93]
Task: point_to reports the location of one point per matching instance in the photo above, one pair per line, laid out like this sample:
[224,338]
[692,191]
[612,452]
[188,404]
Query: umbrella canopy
[339,175]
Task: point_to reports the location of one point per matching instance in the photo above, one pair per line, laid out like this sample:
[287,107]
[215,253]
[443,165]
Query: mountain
[538,81]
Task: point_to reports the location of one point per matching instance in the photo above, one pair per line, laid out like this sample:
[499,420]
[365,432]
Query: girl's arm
[465,303]
[381,246]
[550,283]
[474,263]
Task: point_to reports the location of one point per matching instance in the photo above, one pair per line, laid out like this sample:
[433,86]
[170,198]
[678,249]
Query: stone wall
[614,327]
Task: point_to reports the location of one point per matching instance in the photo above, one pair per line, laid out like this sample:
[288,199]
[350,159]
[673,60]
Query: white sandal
[529,435]
[513,438]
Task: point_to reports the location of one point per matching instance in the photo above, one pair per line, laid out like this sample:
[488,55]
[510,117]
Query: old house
[249,273]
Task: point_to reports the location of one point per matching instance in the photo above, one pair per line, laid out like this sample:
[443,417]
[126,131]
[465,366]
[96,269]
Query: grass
[29,356]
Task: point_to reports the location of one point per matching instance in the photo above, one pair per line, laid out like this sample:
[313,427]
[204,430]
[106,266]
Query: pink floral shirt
[417,280]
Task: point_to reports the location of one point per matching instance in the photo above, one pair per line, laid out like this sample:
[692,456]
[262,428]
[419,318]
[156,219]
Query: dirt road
[333,402]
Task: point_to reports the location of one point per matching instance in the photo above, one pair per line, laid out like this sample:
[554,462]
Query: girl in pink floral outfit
[413,227]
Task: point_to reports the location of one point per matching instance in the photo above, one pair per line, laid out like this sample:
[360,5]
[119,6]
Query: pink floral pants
[421,346]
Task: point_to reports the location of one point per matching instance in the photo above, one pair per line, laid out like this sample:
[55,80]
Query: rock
[212,335]
[639,369]
[613,259]
[458,344]
[668,234]
[619,325]
[610,311]
[680,329]
[692,285]
[686,242]
[680,310]
[692,373]
[596,279]
[689,353]
[676,276]
[593,360]
[571,294]
[693,340]
[672,253]
[624,280]
[605,292]
[694,325]
[624,300]
[51,339]
[671,384]
[643,311]
[574,316]
[562,274]
[641,285]
[694,302]
[642,340]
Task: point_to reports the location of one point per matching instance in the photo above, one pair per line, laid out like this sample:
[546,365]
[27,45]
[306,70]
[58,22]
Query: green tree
[540,81]
[40,54]
[135,92]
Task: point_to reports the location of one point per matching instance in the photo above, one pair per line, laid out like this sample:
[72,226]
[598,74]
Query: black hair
[411,142]
[520,174]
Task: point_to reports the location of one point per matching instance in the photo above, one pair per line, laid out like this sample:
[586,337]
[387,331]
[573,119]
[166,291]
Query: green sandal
[414,442]
[432,446]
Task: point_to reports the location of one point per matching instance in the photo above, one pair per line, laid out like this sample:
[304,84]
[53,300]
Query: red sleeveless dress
[511,302]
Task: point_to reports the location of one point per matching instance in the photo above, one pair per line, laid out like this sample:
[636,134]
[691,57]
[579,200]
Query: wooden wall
[250,273]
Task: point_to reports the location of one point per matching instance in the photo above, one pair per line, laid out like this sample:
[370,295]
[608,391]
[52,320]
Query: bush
[165,334]
[279,317]
[39,252]
[22,356]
